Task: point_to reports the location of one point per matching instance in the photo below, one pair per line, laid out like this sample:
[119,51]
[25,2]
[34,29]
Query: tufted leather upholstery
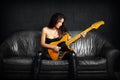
[96,57]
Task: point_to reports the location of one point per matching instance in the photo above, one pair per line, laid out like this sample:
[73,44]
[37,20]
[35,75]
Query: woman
[54,32]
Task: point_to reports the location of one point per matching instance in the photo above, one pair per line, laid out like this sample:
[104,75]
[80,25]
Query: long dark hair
[55,17]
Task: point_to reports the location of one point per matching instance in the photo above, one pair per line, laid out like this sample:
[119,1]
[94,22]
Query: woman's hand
[83,34]
[56,48]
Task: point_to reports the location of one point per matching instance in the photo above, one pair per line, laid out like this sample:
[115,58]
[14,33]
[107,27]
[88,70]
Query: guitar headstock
[97,24]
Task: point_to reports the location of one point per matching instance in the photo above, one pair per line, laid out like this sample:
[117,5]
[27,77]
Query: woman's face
[59,23]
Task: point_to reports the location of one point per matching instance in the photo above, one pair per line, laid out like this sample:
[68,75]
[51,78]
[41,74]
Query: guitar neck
[78,36]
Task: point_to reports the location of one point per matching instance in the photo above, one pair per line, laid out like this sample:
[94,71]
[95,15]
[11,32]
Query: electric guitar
[64,43]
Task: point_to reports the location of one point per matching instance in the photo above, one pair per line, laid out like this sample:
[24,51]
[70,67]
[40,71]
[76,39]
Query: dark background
[33,15]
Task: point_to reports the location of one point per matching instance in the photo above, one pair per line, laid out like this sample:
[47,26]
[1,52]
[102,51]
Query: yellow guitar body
[53,54]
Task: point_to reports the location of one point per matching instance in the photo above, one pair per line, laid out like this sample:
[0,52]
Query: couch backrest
[27,43]
[23,43]
[89,46]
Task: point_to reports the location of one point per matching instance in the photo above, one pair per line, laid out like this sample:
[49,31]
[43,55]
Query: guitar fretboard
[78,36]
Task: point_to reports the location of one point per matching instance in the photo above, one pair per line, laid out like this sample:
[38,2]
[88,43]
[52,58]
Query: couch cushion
[57,65]
[17,64]
[92,64]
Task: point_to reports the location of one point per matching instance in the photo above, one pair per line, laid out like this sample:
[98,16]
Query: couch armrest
[113,58]
[113,62]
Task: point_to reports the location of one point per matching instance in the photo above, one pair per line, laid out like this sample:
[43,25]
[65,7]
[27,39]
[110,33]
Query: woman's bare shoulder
[45,28]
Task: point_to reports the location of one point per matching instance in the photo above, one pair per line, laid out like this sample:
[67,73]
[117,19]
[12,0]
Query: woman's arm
[43,38]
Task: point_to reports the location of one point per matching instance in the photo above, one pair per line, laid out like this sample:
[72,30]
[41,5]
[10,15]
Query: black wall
[32,15]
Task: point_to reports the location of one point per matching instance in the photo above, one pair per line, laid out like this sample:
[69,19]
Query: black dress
[45,54]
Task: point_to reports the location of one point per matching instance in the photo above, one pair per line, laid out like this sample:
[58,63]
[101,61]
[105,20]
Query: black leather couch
[98,59]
